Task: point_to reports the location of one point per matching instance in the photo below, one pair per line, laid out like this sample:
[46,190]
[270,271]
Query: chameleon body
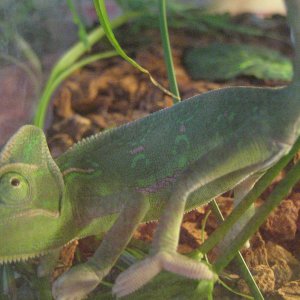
[154,168]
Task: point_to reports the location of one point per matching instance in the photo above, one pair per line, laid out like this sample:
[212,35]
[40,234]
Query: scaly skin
[154,168]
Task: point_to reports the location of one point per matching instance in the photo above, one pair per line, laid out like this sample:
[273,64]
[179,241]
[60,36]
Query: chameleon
[154,168]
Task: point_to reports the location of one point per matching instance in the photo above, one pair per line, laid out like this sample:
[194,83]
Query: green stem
[239,260]
[8,289]
[163,25]
[82,34]
[280,191]
[235,292]
[174,89]
[66,62]
[260,186]
[79,48]
[29,54]
[49,90]
[105,23]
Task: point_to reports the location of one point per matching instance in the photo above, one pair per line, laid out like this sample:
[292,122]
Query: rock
[286,214]
[290,291]
[257,254]
[264,277]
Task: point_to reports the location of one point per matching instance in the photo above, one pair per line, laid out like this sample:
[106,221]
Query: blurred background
[34,33]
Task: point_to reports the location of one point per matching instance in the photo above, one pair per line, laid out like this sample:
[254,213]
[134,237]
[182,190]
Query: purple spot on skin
[163,183]
[171,179]
[182,128]
[137,150]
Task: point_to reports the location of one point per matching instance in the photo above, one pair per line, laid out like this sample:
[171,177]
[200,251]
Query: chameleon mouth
[32,213]
[25,257]
[37,212]
[21,257]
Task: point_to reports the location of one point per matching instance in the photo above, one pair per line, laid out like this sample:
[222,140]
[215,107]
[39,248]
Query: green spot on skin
[139,157]
[182,162]
[182,145]
[147,181]
[231,116]
[181,138]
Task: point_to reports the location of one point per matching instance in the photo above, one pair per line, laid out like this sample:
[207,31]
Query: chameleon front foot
[76,283]
[142,272]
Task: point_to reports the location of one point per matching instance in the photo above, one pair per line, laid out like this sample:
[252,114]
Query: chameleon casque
[154,168]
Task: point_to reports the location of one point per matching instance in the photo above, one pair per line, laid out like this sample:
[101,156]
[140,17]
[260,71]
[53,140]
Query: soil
[109,93]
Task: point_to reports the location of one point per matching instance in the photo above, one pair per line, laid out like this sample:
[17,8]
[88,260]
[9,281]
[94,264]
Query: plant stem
[105,23]
[65,66]
[79,48]
[163,25]
[49,90]
[239,260]
[29,54]
[174,89]
[253,225]
[82,34]
[280,191]
[260,186]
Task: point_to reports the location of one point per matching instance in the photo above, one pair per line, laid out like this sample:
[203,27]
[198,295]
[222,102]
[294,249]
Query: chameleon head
[31,191]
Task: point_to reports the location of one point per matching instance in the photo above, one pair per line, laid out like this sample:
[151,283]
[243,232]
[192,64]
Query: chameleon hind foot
[142,272]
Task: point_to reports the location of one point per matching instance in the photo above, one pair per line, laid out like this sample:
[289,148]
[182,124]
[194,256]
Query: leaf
[205,289]
[224,22]
[83,36]
[8,288]
[223,62]
[164,286]
[168,286]
[105,23]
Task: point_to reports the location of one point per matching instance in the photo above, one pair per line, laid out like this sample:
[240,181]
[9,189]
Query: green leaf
[168,286]
[83,36]
[205,289]
[164,286]
[105,23]
[224,22]
[67,64]
[8,288]
[223,62]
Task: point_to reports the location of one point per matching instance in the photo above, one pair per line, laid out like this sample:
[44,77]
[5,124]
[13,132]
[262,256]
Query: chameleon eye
[15,182]
[14,189]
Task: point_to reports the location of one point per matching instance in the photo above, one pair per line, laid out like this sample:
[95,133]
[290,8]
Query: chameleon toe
[142,272]
[136,276]
[75,284]
[182,265]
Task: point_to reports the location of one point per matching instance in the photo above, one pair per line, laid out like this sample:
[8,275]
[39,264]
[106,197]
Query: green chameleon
[157,167]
